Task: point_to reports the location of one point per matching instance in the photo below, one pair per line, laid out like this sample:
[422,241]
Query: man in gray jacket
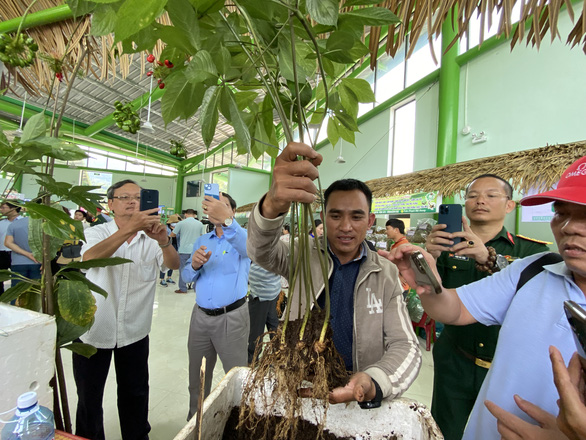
[371,326]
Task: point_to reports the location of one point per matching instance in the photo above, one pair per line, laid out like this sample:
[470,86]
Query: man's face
[5,209]
[487,201]
[569,229]
[125,207]
[78,216]
[392,232]
[347,220]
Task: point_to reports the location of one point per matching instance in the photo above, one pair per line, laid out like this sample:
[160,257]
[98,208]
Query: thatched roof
[539,168]
[417,17]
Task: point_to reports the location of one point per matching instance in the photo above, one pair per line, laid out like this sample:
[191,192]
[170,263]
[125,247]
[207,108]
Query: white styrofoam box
[405,418]
[27,355]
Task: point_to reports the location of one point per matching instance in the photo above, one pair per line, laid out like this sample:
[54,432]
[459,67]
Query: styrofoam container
[406,419]
[27,355]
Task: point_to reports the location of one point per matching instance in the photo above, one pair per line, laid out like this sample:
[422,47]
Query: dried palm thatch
[64,41]
[539,168]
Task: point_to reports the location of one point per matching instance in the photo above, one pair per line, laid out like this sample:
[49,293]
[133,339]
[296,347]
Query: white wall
[247,186]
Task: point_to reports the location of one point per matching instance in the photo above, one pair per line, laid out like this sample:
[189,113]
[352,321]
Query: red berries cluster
[158,71]
[59,76]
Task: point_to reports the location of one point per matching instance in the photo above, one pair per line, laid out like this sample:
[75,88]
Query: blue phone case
[212,190]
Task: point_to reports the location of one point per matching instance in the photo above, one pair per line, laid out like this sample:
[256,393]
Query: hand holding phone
[451,216]
[212,190]
[424,276]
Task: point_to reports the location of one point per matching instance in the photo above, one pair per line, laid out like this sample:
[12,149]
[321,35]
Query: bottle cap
[27,400]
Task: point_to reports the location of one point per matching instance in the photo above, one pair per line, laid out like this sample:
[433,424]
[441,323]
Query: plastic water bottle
[30,421]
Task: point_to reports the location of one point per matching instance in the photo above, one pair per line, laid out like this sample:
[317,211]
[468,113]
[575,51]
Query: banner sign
[406,204]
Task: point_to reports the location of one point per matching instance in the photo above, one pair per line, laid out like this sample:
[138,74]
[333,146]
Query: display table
[60,435]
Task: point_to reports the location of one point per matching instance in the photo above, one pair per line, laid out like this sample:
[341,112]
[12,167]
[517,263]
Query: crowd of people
[504,364]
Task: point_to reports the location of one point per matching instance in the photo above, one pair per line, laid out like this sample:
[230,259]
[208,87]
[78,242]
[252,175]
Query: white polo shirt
[125,316]
[532,320]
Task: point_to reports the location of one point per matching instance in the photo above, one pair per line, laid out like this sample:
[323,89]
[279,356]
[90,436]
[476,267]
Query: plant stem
[26,11]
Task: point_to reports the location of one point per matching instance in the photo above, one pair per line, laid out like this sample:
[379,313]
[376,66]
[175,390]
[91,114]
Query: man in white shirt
[187,231]
[123,319]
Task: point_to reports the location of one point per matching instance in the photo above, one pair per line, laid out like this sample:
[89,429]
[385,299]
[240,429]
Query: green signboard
[407,204]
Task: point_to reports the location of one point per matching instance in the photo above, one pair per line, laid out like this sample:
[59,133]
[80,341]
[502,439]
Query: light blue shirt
[224,278]
[532,320]
[18,229]
[187,232]
[264,285]
[3,228]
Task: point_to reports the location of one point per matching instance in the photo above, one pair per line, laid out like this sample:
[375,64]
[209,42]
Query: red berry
[149,73]
[168,63]
[59,76]
[162,85]
[159,81]
[151,58]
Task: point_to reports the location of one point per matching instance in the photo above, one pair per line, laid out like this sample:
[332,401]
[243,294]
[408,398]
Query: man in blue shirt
[219,323]
[10,213]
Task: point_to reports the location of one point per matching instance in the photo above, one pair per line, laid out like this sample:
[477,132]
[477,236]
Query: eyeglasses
[127,199]
[486,196]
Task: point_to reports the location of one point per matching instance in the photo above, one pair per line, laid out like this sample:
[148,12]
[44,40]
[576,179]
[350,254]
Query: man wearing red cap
[532,316]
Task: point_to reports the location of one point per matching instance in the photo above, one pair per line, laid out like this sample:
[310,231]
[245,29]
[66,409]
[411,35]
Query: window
[221,178]
[421,62]
[402,144]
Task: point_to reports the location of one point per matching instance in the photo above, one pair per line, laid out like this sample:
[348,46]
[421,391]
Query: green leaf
[201,67]
[305,67]
[317,117]
[348,99]
[74,275]
[35,240]
[208,116]
[5,147]
[76,302]
[360,88]
[98,262]
[82,349]
[174,37]
[338,47]
[105,1]
[36,126]
[144,39]
[135,15]
[346,120]
[80,7]
[203,7]
[6,275]
[183,17]
[345,133]
[103,21]
[57,223]
[182,97]
[14,292]
[333,134]
[241,132]
[243,99]
[67,332]
[223,60]
[348,3]
[374,16]
[62,150]
[323,11]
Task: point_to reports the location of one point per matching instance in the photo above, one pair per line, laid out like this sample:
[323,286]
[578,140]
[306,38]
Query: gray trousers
[183,260]
[211,336]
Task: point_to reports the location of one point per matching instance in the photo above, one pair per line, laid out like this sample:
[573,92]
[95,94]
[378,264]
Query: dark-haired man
[220,323]
[371,326]
[187,231]
[123,319]
[9,212]
[462,355]
[396,232]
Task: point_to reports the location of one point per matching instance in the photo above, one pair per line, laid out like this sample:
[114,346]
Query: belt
[222,310]
[480,362]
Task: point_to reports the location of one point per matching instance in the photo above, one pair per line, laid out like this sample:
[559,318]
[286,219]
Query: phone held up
[423,273]
[212,190]
[577,318]
[149,199]
[451,215]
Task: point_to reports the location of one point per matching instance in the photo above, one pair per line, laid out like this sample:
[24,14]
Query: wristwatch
[228,222]
[501,261]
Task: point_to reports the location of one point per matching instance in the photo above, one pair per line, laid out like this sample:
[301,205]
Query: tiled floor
[169,374]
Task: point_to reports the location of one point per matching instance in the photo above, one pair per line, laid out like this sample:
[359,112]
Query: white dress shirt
[125,316]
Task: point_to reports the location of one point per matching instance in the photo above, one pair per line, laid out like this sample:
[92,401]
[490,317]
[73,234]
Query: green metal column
[47,16]
[449,94]
[179,191]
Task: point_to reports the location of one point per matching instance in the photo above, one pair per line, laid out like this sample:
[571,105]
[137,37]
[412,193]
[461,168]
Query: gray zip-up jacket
[384,344]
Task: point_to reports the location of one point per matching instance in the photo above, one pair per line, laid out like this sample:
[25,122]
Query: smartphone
[451,215]
[423,274]
[149,199]
[212,190]
[577,318]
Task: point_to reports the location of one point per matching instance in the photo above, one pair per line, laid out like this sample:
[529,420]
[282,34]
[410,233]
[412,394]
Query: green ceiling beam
[138,103]
[47,16]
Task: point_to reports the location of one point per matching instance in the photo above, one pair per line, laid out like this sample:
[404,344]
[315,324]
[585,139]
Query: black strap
[537,267]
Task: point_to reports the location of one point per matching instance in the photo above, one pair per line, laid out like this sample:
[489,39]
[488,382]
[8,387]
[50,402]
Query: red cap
[571,187]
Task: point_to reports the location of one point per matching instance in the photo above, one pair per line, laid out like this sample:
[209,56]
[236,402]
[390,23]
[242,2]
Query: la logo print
[373,304]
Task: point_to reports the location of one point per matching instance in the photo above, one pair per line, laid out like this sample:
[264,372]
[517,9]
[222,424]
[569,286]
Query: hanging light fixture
[19,131]
[146,152]
[340,158]
[72,164]
[147,126]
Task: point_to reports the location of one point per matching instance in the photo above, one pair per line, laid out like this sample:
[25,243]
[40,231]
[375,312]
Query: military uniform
[462,354]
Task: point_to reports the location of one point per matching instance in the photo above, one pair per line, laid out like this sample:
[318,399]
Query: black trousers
[4,264]
[132,378]
[261,313]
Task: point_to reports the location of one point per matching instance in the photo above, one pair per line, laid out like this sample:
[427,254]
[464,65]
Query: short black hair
[287,228]
[11,205]
[231,200]
[190,212]
[396,223]
[348,185]
[508,187]
[110,192]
